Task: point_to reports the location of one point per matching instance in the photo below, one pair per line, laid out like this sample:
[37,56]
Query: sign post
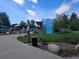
[48,26]
[28,32]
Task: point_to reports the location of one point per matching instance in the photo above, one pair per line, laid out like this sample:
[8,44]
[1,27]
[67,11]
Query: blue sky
[37,9]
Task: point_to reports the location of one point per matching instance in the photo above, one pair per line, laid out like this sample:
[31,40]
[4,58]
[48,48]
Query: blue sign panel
[47,26]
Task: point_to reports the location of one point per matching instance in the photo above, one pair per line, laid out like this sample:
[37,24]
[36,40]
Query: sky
[21,10]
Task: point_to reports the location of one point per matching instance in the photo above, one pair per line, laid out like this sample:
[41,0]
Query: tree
[61,21]
[73,17]
[4,19]
[56,25]
[28,22]
[64,22]
[32,24]
[74,22]
[22,24]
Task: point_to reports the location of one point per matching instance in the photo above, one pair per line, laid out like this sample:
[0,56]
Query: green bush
[65,31]
[23,39]
[56,37]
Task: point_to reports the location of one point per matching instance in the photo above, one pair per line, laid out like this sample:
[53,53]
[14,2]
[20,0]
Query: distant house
[3,29]
[14,28]
[39,25]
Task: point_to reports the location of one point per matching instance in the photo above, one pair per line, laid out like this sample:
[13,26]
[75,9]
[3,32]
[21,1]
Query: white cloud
[31,12]
[74,1]
[63,8]
[19,1]
[34,1]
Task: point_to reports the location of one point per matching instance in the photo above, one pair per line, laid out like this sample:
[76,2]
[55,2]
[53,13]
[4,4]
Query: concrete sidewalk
[10,48]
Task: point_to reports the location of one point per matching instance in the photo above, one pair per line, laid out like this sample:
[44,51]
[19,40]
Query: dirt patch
[66,49]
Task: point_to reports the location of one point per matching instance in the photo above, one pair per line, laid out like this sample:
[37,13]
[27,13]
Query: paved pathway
[10,48]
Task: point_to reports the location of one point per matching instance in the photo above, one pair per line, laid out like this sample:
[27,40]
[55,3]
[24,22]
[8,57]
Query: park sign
[47,26]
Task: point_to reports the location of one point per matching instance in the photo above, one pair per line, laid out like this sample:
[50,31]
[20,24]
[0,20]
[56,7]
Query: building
[3,29]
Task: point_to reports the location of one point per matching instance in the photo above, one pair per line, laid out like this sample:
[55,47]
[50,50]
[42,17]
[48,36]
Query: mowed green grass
[56,37]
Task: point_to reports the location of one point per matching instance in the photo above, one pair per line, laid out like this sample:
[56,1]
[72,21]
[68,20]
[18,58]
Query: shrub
[65,31]
[56,37]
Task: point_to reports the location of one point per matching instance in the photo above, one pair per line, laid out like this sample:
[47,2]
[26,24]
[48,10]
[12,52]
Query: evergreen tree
[22,24]
[4,19]
[74,21]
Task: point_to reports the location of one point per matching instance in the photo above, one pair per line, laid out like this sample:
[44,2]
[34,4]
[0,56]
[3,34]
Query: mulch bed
[67,50]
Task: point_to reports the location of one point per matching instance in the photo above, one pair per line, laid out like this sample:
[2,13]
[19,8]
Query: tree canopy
[66,22]
[4,19]
[22,24]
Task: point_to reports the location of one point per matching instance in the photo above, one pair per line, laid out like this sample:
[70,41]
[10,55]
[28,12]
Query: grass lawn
[56,37]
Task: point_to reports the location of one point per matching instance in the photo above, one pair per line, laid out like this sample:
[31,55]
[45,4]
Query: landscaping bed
[66,42]
[66,49]
[72,38]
